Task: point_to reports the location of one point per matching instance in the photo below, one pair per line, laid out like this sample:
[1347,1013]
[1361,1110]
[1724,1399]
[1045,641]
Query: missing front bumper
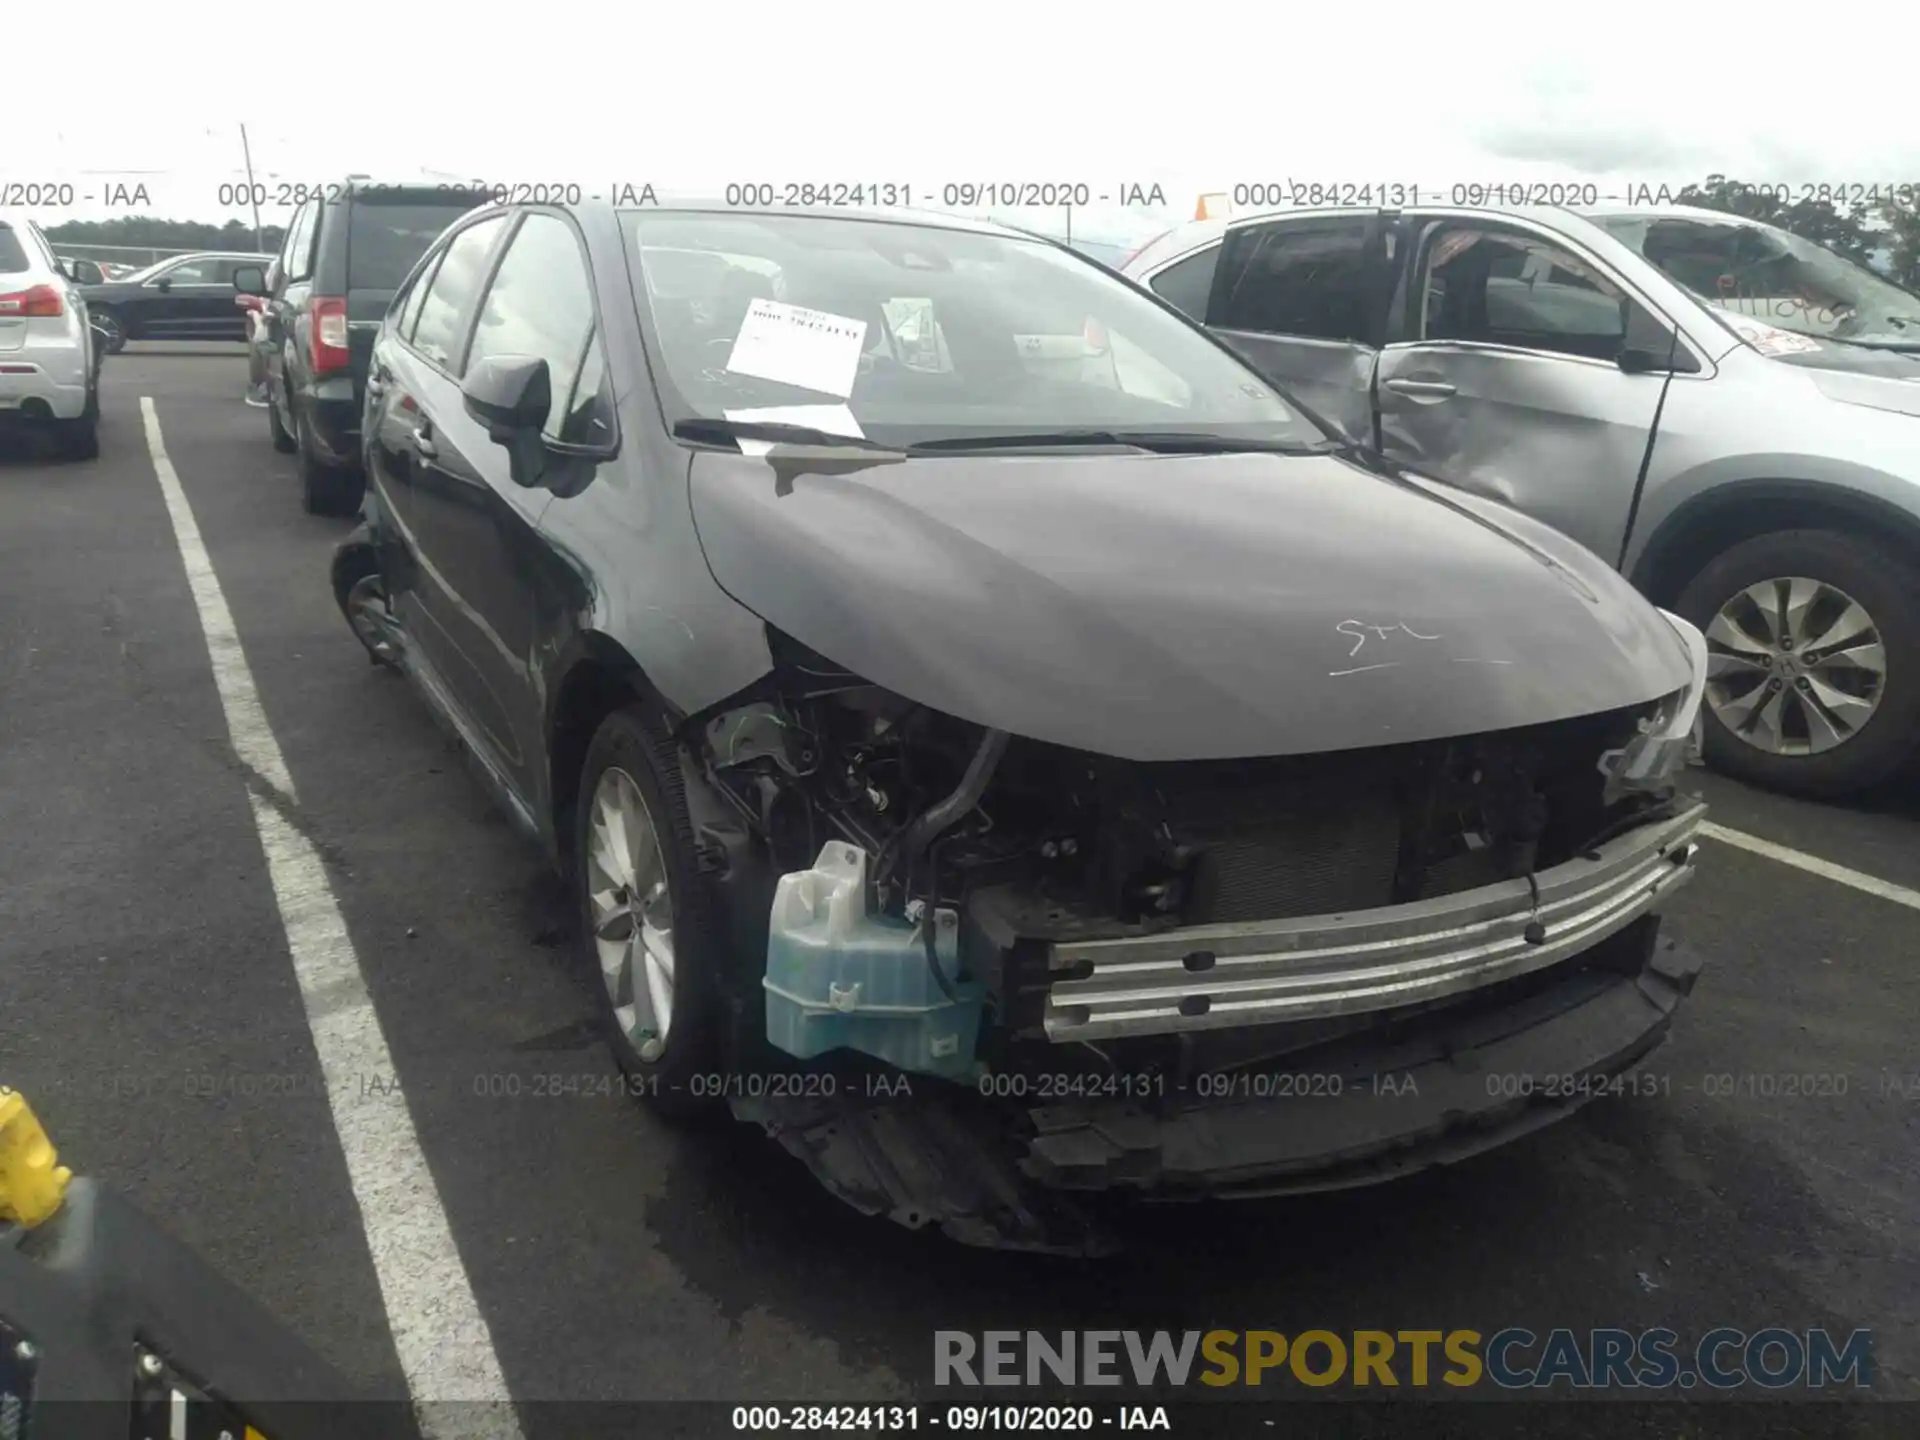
[1209,977]
[1460,1080]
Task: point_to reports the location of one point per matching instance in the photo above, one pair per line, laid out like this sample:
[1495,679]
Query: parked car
[994,720]
[1724,411]
[49,358]
[185,297]
[346,250]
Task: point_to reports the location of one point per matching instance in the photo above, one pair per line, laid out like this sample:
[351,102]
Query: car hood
[1155,607]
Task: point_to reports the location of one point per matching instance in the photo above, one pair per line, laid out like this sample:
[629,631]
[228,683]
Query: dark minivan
[347,250]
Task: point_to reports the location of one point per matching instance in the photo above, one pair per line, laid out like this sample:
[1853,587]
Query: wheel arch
[594,676]
[1724,516]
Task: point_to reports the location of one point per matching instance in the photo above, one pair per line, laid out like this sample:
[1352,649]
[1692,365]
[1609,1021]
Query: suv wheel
[1814,660]
[79,438]
[647,915]
[325,489]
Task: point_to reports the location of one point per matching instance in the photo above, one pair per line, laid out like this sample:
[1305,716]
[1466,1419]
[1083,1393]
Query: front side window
[1759,272]
[1312,279]
[1504,287]
[449,300]
[540,304]
[927,333]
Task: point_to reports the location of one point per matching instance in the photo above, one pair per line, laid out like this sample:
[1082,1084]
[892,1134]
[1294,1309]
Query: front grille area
[1329,834]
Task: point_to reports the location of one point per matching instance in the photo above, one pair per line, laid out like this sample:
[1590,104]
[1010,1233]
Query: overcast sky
[1194,97]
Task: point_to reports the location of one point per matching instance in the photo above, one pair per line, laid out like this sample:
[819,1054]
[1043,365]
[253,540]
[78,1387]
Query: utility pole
[259,242]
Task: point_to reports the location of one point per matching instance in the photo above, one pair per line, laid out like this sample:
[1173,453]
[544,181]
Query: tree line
[147,232]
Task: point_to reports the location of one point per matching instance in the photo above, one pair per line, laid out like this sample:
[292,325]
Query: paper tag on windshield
[1769,339]
[813,349]
[834,419]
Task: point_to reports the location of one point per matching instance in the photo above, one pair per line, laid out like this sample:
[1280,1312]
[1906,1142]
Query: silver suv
[1725,412]
[49,363]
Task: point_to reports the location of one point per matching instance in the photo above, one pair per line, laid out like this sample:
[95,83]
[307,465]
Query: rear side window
[386,238]
[13,255]
[1298,278]
[1188,282]
[414,299]
[450,298]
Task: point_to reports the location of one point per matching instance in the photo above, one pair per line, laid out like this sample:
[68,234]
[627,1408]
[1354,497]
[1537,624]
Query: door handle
[423,441]
[1433,389]
[376,387]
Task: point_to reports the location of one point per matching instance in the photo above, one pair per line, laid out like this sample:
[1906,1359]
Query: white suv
[49,367]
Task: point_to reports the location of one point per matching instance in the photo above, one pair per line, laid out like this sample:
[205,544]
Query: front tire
[1814,664]
[649,929]
[360,590]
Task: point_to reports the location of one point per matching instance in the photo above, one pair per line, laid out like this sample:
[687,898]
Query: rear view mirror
[509,394]
[249,280]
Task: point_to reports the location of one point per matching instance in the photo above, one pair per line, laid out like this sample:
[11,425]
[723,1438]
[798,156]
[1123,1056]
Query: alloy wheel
[631,911]
[1795,666]
[372,618]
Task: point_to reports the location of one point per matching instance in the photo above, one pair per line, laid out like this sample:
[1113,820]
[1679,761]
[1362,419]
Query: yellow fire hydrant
[33,1182]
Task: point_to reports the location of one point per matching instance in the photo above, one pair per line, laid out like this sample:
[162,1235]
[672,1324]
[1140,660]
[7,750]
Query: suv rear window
[13,254]
[385,237]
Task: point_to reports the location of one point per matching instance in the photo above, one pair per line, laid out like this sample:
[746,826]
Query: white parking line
[1813,865]
[444,1346]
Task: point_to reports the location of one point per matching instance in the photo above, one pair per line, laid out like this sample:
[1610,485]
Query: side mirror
[1650,346]
[248,280]
[509,394]
[163,284]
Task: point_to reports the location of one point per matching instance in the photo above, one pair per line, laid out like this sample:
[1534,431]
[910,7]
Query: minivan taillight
[327,334]
[41,300]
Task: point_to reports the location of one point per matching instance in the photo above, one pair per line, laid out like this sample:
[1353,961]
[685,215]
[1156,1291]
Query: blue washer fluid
[839,977]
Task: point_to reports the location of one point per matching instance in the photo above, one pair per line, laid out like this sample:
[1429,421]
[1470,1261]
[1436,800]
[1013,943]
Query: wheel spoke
[659,995]
[1723,663]
[632,911]
[1847,625]
[1797,597]
[1850,710]
[1724,630]
[1766,720]
[1769,599]
[1870,659]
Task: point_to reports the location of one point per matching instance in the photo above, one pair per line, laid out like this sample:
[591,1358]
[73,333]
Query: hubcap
[1794,666]
[631,912]
[371,617]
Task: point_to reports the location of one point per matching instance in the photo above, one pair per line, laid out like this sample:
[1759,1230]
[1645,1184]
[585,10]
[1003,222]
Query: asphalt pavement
[149,1007]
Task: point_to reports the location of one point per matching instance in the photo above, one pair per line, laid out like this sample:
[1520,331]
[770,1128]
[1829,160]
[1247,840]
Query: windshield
[1758,272]
[908,334]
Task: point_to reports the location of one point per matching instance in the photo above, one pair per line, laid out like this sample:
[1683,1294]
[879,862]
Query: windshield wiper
[1160,442]
[717,431]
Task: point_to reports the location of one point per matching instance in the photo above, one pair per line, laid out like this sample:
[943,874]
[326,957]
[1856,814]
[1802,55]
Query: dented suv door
[1501,374]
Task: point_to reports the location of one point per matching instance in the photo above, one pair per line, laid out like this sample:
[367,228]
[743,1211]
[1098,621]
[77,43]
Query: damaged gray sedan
[998,743]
